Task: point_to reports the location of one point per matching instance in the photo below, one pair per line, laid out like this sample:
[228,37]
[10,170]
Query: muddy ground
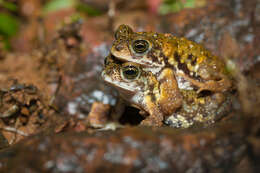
[52,95]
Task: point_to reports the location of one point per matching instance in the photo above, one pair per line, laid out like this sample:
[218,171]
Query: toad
[172,80]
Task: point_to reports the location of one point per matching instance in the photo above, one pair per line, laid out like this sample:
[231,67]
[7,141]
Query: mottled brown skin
[140,88]
[178,73]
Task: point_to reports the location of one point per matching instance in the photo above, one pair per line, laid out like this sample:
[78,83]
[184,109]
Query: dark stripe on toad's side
[165,59]
[181,66]
[184,68]
[153,57]
[167,65]
[192,59]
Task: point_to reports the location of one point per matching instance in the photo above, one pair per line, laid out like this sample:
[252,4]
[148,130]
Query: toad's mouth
[140,60]
[125,89]
[117,60]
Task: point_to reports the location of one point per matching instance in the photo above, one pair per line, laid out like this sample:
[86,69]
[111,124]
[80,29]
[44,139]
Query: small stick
[111,14]
[12,129]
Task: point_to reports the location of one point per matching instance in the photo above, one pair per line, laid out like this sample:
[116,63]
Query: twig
[111,14]
[14,130]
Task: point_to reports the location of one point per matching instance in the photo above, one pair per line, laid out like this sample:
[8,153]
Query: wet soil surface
[52,99]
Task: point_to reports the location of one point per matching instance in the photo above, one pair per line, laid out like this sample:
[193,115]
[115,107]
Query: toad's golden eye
[140,46]
[130,71]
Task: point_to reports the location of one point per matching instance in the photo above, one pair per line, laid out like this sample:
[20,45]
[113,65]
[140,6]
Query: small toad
[171,80]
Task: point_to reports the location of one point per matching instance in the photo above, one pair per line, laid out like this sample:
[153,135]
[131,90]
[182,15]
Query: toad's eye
[130,72]
[140,46]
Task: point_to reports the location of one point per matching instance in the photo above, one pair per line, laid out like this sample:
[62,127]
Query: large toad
[172,80]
